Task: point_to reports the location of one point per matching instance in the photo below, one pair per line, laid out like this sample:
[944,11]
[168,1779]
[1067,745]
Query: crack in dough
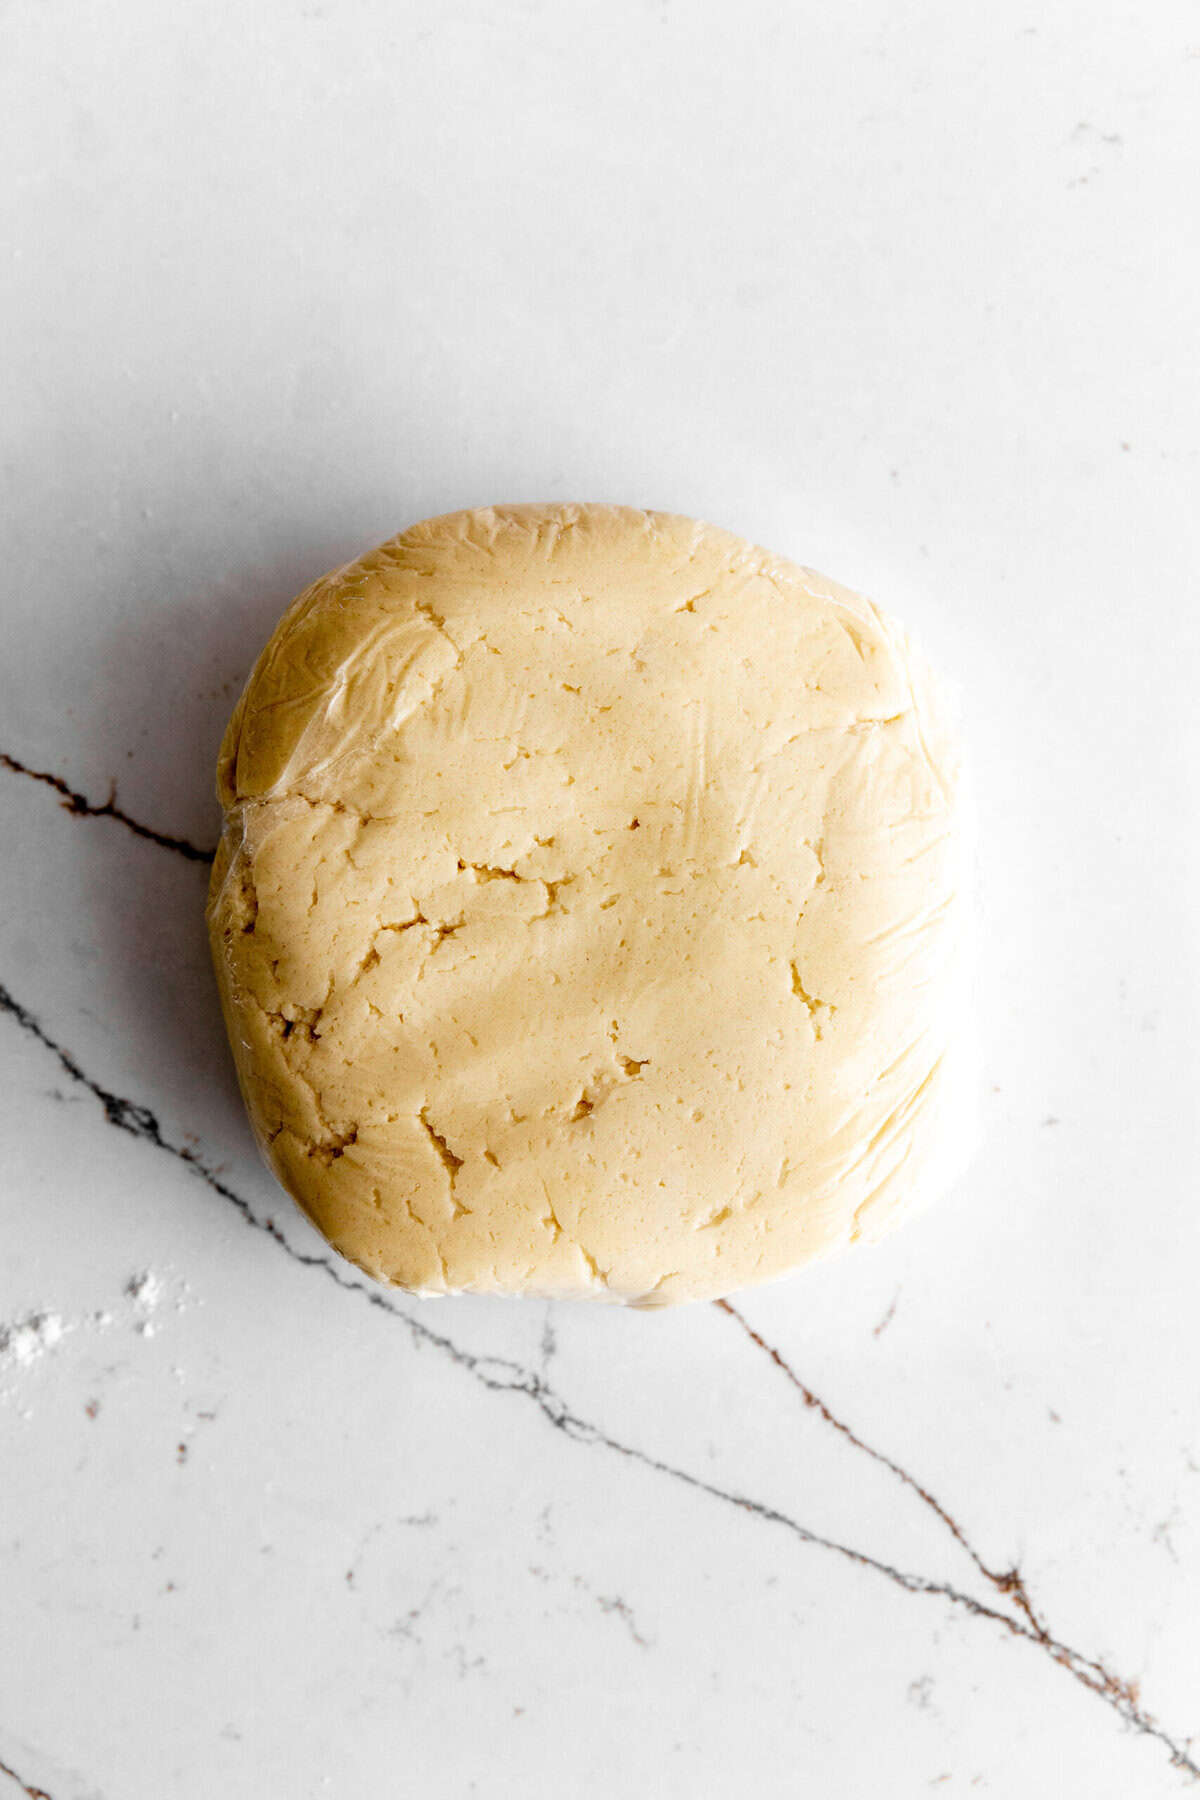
[449,1161]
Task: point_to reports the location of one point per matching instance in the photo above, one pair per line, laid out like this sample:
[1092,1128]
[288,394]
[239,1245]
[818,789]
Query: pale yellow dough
[587,916]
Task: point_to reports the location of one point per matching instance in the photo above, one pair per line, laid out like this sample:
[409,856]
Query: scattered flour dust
[27,1340]
[146,1292]
[30,1338]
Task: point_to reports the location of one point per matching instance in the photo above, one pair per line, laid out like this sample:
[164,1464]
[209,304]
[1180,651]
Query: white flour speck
[145,1290]
[23,1342]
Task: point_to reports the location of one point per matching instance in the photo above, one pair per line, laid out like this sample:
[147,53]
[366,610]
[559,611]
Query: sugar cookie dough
[587,916]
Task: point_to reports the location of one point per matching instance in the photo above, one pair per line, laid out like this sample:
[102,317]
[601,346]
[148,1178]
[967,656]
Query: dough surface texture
[588,915]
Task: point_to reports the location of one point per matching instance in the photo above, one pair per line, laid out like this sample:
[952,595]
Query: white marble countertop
[907,293]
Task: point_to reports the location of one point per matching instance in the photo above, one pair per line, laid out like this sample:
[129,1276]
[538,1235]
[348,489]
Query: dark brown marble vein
[501,1375]
[83,808]
[34,1793]
[1009,1584]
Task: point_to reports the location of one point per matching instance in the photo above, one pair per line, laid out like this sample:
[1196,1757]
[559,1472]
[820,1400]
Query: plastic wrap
[590,912]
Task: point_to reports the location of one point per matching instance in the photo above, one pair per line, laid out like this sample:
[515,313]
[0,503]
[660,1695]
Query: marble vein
[502,1375]
[1008,1582]
[82,808]
[26,1787]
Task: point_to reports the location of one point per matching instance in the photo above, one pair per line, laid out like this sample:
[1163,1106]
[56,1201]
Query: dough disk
[588,912]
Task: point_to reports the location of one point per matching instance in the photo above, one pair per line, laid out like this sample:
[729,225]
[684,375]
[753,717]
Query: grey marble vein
[502,1375]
